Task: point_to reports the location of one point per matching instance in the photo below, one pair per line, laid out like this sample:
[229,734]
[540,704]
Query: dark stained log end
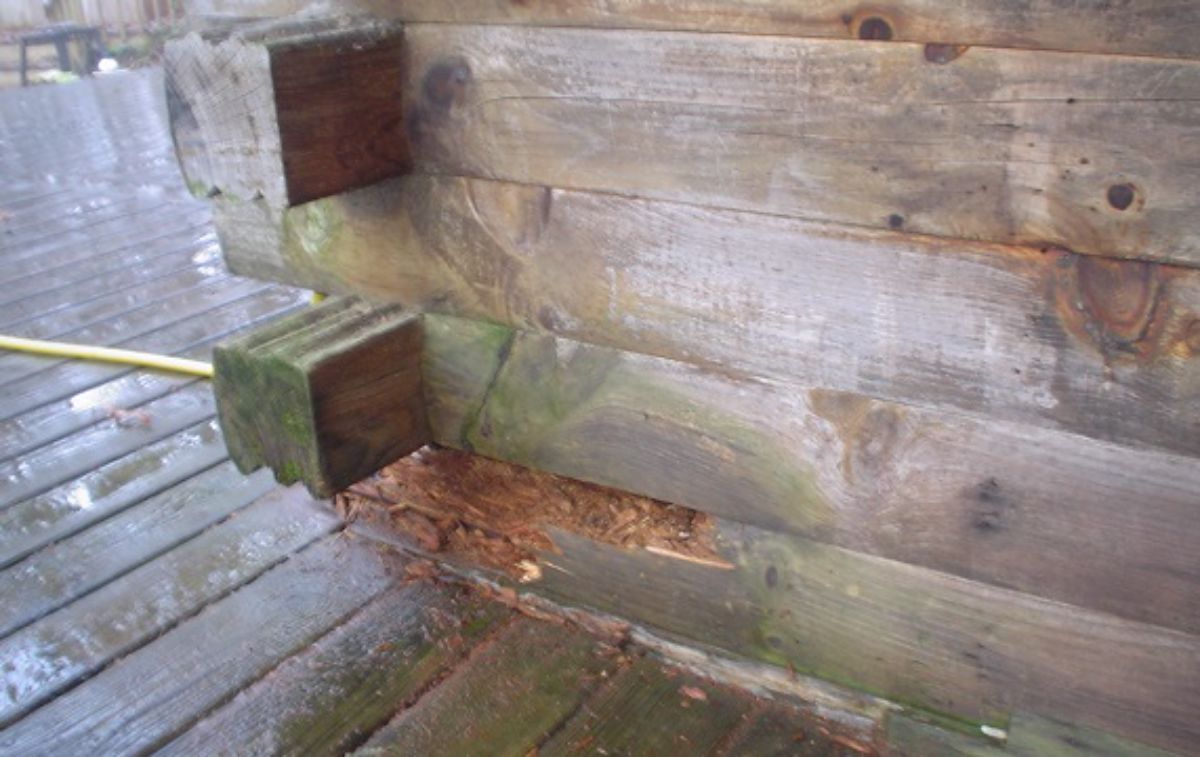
[289,112]
[326,397]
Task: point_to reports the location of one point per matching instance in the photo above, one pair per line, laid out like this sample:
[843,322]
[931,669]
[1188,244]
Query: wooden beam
[326,397]
[289,112]
[1086,152]
[1107,349]
[1049,513]
[1141,27]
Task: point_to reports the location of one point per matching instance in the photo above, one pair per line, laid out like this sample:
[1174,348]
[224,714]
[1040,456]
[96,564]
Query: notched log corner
[325,397]
[288,112]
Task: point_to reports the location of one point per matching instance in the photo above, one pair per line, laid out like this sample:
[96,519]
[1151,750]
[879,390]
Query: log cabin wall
[908,295]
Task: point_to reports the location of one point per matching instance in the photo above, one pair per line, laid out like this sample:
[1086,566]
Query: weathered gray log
[1143,27]
[1108,349]
[326,397]
[290,112]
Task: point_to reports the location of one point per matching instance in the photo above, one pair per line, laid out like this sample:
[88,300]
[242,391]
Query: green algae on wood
[326,397]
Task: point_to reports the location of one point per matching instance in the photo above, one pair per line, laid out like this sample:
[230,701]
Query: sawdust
[499,514]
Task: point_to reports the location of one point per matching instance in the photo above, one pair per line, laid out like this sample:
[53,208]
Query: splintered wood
[500,514]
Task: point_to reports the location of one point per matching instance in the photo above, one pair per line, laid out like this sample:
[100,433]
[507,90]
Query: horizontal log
[1107,349]
[1044,512]
[326,397]
[913,635]
[1097,154]
[291,112]
[1143,27]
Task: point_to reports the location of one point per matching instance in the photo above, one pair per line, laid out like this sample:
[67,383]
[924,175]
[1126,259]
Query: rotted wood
[1143,27]
[290,112]
[326,397]
[1039,335]
[1092,153]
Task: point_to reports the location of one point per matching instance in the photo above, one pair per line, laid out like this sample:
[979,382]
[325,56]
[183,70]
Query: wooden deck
[155,599]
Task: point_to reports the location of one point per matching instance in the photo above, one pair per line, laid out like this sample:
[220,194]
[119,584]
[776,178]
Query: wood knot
[875,28]
[1117,305]
[445,82]
[942,53]
[1121,196]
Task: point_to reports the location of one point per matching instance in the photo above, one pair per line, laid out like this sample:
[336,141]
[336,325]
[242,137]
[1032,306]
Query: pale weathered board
[98,494]
[145,699]
[60,573]
[1054,514]
[1143,27]
[326,397]
[290,112]
[1098,154]
[332,696]
[79,639]
[907,633]
[88,449]
[1109,349]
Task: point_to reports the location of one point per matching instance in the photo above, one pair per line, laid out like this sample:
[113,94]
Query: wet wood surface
[1141,27]
[1038,335]
[1085,152]
[151,595]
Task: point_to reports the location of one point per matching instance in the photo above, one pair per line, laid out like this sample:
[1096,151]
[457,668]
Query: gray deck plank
[195,254]
[74,455]
[330,697]
[47,657]
[149,697]
[68,509]
[60,573]
[56,419]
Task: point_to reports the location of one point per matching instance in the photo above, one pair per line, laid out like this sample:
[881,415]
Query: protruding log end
[326,397]
[288,112]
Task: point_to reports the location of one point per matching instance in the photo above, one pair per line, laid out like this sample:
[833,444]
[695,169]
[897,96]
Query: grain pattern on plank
[1142,27]
[649,710]
[203,255]
[1050,513]
[68,509]
[1103,348]
[290,112]
[504,699]
[907,633]
[56,575]
[332,398]
[1092,153]
[58,462]
[149,697]
[66,379]
[348,684]
[79,639]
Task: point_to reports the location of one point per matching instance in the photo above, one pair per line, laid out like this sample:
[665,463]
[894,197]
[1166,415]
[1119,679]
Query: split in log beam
[288,112]
[326,397]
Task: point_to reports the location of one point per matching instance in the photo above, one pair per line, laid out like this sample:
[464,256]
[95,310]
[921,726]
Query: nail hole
[895,220]
[874,28]
[1120,196]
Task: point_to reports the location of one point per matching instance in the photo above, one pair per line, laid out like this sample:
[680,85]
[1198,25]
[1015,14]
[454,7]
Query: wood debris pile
[499,514]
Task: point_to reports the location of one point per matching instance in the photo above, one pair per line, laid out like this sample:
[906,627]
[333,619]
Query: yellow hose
[107,355]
